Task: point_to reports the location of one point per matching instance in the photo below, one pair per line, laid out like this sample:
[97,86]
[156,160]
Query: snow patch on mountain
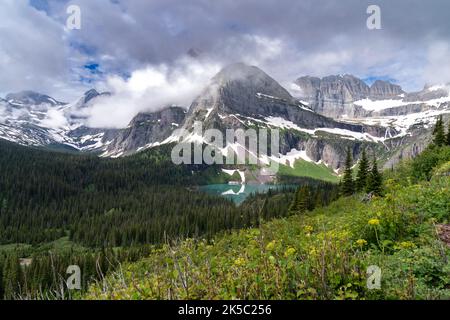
[377,105]
[291,157]
[346,134]
[404,123]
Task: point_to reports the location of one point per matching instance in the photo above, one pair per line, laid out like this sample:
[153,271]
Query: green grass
[58,246]
[304,168]
[14,247]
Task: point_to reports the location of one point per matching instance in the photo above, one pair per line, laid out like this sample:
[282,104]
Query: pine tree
[448,135]
[363,171]
[439,134]
[302,200]
[348,186]
[375,180]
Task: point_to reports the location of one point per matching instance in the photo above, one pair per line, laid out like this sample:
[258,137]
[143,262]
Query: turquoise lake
[238,193]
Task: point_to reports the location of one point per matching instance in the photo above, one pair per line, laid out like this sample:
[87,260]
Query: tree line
[441,139]
[368,178]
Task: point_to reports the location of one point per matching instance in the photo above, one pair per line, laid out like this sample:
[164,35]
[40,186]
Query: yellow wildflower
[374,222]
[239,262]
[361,242]
[289,252]
[407,245]
[271,245]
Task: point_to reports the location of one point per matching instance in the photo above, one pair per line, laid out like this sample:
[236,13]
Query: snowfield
[378,105]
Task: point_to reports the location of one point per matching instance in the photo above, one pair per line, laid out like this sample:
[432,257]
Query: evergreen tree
[439,133]
[302,200]
[375,180]
[348,186]
[448,135]
[363,171]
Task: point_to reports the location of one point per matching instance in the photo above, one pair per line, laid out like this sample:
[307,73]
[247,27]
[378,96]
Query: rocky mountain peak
[332,95]
[381,89]
[237,89]
[250,79]
[166,116]
[344,87]
[146,129]
[89,95]
[30,98]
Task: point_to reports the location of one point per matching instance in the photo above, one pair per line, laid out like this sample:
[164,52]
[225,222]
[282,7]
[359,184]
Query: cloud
[55,119]
[33,52]
[286,38]
[150,89]
[437,69]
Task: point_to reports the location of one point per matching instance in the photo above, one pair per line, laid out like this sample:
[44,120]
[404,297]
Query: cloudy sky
[164,51]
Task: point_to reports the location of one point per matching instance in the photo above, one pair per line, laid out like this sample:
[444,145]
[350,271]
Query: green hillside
[321,254]
[304,168]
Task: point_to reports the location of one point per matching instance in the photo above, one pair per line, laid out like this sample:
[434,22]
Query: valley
[103,197]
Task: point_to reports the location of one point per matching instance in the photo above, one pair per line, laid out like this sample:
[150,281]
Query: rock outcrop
[146,129]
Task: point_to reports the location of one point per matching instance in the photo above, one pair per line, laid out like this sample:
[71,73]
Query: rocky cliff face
[146,130]
[334,96]
[382,104]
[384,90]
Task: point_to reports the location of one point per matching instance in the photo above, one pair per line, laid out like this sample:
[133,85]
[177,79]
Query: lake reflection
[238,193]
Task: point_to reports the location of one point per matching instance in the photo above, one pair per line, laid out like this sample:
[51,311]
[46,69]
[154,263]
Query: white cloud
[150,89]
[32,50]
[437,69]
[55,119]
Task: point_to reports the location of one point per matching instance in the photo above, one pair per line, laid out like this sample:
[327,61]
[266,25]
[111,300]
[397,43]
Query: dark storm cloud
[152,31]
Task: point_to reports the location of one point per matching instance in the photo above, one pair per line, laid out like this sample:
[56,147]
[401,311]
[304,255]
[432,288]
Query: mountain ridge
[242,96]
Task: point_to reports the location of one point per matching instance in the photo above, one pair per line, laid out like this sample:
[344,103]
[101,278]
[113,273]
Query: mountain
[145,130]
[241,97]
[383,104]
[318,122]
[24,98]
[381,89]
[332,96]
[34,119]
[349,97]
